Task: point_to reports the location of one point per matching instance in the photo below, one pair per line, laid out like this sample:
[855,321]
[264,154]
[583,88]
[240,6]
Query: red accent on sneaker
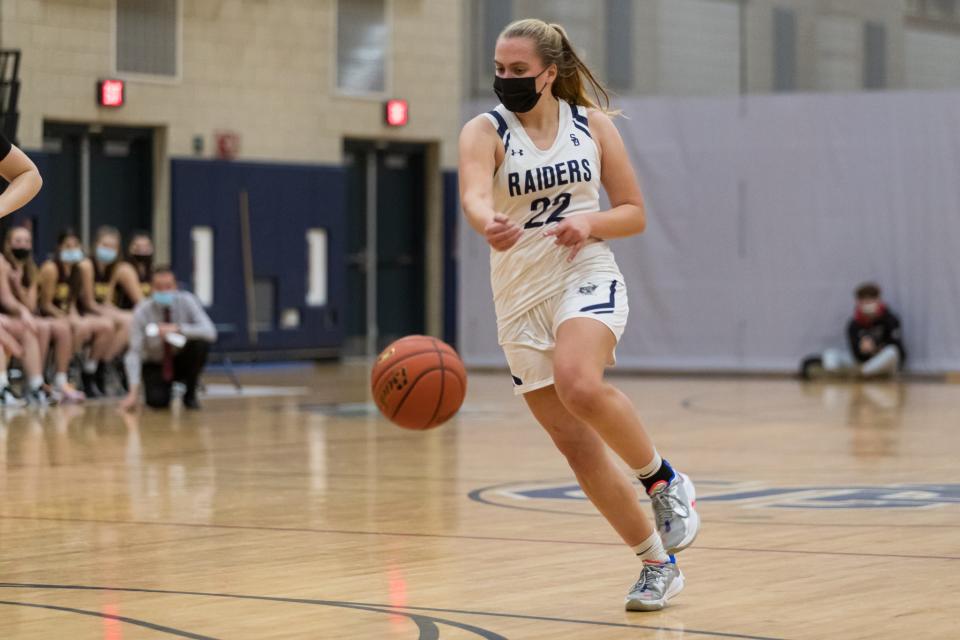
[656,485]
[694,503]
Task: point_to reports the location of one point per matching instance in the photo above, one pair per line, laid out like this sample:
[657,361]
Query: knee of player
[580,393]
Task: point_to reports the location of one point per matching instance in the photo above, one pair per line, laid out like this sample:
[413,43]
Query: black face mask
[20,254]
[518,94]
[146,261]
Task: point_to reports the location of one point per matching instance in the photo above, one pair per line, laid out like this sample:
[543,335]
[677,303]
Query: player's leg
[8,344]
[121,332]
[613,495]
[584,347]
[101,330]
[606,486]
[62,338]
[32,366]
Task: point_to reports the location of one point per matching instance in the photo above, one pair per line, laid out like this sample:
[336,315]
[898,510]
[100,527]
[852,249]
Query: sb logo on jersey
[573,138]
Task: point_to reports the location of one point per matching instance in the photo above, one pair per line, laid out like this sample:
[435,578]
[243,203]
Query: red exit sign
[396,113]
[110,93]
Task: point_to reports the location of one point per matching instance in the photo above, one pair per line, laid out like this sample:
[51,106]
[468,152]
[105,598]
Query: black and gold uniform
[144,269]
[65,293]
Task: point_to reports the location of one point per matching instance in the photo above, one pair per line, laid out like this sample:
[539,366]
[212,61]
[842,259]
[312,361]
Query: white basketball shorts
[528,341]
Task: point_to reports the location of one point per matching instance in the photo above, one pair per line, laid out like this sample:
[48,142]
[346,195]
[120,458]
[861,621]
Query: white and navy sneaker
[674,507]
[658,583]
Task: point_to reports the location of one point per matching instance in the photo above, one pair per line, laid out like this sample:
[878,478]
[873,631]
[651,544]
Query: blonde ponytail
[573,74]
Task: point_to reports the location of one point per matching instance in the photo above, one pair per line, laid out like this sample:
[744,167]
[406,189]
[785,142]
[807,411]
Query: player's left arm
[627,214]
[24,178]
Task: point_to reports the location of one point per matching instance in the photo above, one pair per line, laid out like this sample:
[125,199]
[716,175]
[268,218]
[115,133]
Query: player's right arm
[21,174]
[479,147]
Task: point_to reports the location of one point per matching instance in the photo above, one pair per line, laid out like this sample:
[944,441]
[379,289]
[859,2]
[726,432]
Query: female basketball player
[60,285]
[18,250]
[108,280]
[530,172]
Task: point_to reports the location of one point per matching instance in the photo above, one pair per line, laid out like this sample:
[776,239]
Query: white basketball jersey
[537,189]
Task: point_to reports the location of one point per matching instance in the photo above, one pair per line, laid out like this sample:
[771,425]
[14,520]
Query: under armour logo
[516,152]
[576,142]
[588,289]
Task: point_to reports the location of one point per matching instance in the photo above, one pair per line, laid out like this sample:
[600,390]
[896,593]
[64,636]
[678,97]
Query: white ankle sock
[4,380]
[59,380]
[651,549]
[651,467]
[36,382]
[90,366]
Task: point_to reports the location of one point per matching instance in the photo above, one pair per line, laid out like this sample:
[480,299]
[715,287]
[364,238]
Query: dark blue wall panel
[285,201]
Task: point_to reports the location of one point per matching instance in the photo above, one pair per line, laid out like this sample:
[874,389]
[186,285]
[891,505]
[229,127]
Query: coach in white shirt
[169,341]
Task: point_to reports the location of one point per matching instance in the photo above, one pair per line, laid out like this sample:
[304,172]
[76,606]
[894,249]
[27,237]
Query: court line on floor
[109,616]
[383,608]
[476,496]
[451,536]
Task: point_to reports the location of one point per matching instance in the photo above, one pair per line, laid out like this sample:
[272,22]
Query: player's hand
[501,234]
[572,232]
[29,322]
[867,345]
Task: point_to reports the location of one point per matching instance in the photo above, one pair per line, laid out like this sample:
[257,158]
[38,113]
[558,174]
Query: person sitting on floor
[874,337]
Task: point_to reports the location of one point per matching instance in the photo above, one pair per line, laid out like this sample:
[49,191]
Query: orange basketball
[418,382]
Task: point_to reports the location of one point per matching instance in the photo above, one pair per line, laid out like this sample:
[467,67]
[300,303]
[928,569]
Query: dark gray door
[399,184]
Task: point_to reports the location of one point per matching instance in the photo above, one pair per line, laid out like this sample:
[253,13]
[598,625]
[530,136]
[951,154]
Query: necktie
[167,352]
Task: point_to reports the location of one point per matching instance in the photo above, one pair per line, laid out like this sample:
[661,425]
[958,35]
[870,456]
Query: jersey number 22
[542,205]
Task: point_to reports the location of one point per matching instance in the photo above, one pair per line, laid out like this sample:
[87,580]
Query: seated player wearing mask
[108,282]
[140,257]
[169,340]
[61,286]
[24,283]
[874,339]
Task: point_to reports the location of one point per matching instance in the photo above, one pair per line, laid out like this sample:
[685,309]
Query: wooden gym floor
[830,511]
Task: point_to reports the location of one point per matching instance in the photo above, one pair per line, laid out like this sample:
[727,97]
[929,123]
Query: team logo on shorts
[588,289]
[568,498]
